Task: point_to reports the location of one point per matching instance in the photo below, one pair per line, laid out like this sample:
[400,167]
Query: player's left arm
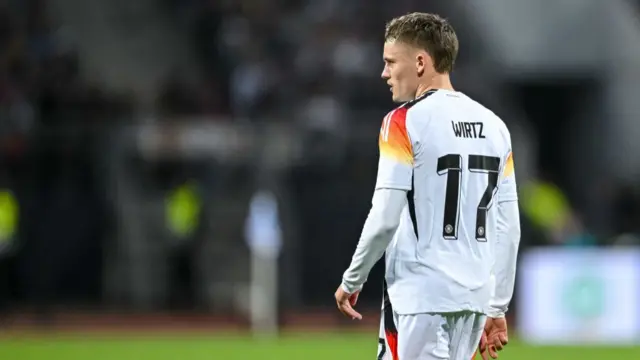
[495,335]
[395,170]
[507,240]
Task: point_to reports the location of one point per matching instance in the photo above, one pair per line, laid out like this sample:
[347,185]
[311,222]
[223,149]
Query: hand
[494,338]
[346,302]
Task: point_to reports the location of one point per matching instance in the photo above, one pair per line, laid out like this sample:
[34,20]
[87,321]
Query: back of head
[419,53]
[429,32]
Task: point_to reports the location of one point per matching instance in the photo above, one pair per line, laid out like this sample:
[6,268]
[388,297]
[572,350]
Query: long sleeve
[507,242]
[395,169]
[378,230]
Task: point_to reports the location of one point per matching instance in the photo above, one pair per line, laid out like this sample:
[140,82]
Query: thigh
[465,330]
[423,337]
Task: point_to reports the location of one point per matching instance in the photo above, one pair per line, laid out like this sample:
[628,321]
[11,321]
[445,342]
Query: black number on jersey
[451,165]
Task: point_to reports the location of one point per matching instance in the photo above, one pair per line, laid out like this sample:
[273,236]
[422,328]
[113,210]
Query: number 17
[451,165]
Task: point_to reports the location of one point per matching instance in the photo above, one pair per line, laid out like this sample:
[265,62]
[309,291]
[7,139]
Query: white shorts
[451,336]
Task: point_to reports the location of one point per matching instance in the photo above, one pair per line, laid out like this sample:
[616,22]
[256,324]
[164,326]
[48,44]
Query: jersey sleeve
[507,240]
[507,189]
[395,167]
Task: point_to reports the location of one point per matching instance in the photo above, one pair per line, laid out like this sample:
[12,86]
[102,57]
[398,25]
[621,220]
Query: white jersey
[454,158]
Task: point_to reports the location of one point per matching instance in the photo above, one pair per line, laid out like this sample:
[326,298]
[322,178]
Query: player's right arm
[507,240]
[395,171]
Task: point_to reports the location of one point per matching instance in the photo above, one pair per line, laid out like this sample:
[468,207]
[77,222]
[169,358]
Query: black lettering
[457,129]
[481,128]
[467,130]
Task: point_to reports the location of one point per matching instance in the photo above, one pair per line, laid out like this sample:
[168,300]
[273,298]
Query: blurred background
[203,164]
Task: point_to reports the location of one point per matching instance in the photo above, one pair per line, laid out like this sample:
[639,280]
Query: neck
[438,81]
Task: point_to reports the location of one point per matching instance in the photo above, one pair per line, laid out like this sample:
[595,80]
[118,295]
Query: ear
[421,62]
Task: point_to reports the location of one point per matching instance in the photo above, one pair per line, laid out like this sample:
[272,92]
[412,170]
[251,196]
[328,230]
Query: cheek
[400,74]
[394,73]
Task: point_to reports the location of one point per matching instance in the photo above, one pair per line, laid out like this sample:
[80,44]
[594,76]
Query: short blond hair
[429,32]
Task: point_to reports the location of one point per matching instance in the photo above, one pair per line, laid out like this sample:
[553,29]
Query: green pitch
[307,346]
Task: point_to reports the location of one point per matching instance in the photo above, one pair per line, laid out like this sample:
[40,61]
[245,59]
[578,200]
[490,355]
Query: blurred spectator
[547,207]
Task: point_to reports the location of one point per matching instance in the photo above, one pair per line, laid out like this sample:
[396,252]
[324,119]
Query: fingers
[497,345]
[504,338]
[483,342]
[353,299]
[492,352]
[489,352]
[499,341]
[484,354]
[346,309]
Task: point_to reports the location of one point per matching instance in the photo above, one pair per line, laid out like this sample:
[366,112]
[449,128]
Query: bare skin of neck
[438,81]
